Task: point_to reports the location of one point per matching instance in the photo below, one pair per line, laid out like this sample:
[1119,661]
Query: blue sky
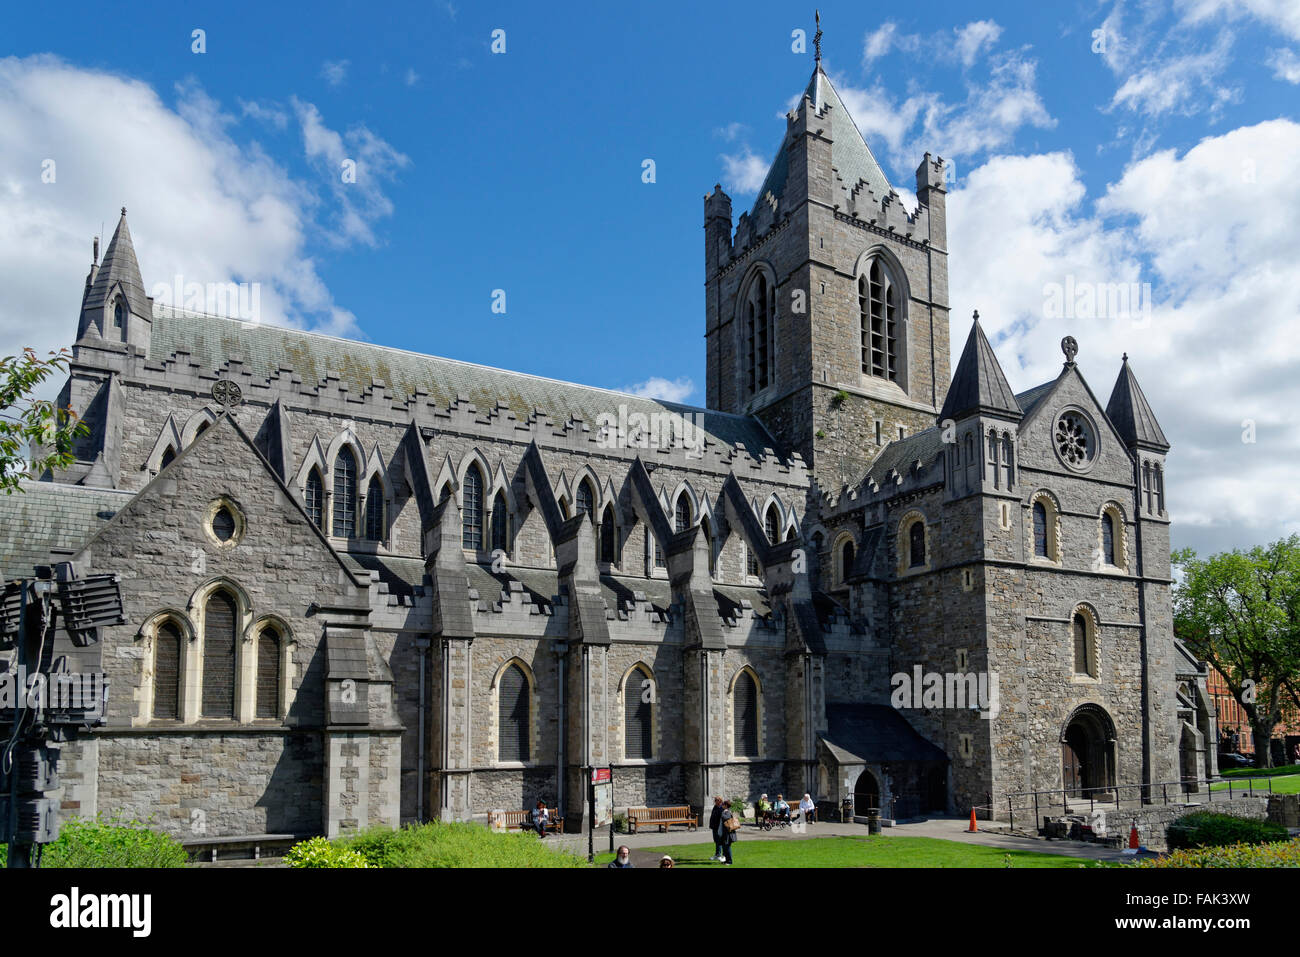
[1114,142]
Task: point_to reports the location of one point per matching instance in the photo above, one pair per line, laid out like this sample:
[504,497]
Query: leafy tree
[1240,610]
[35,434]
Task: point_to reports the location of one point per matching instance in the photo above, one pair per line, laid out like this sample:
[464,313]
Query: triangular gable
[1070,388]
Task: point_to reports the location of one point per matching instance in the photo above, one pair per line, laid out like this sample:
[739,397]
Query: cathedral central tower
[827,304]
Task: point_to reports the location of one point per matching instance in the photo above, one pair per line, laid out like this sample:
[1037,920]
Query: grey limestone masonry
[398,537]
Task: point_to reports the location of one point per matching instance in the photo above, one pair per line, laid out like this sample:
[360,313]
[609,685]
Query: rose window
[1073,440]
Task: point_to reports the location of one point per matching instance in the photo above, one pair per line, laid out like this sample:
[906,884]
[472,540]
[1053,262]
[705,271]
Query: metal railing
[1111,797]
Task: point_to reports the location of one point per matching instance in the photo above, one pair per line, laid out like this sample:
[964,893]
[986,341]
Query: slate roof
[46,516]
[1129,410]
[874,734]
[979,385]
[900,454]
[265,349]
[1030,398]
[850,155]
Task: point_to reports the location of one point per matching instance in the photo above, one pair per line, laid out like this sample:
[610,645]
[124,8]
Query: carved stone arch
[903,542]
[147,635]
[446,477]
[625,687]
[314,456]
[200,419]
[169,437]
[740,347]
[783,515]
[288,643]
[196,608]
[898,278]
[349,438]
[1112,509]
[843,538]
[751,274]
[684,487]
[760,715]
[494,715]
[1092,639]
[1052,504]
[586,473]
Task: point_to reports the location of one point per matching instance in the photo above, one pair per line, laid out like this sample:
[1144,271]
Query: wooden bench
[522,820]
[661,817]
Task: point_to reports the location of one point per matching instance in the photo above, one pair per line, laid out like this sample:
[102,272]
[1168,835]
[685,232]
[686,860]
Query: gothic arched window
[513,715]
[586,499]
[345,494]
[1040,530]
[218,700]
[314,494]
[119,314]
[375,510]
[168,457]
[916,544]
[878,308]
[167,672]
[500,522]
[638,716]
[472,514]
[268,673]
[759,311]
[772,525]
[608,536]
[745,716]
[682,514]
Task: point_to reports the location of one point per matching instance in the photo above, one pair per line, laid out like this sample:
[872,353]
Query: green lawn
[1283,783]
[1285,769]
[862,852]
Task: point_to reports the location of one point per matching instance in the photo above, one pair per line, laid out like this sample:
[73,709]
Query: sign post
[600,799]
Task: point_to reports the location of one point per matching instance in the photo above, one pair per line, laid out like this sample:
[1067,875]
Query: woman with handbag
[724,825]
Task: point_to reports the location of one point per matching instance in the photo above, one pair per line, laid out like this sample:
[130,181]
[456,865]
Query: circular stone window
[1075,440]
[224,523]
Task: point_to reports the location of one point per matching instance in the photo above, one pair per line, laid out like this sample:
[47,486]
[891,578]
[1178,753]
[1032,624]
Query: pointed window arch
[345,494]
[608,536]
[167,672]
[219,618]
[759,311]
[500,522]
[119,315]
[375,509]
[878,296]
[638,714]
[513,715]
[472,514]
[168,457]
[314,494]
[682,513]
[772,524]
[586,499]
[744,702]
[268,673]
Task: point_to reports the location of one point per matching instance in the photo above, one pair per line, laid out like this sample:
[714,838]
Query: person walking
[723,835]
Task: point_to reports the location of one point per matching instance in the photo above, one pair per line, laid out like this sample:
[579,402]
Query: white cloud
[974,37]
[1282,15]
[201,204]
[267,113]
[359,202]
[1184,84]
[412,77]
[334,72]
[1285,64]
[878,42]
[666,390]
[744,172]
[1217,349]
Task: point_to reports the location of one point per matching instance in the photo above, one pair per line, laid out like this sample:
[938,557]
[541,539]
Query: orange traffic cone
[1132,839]
[973,826]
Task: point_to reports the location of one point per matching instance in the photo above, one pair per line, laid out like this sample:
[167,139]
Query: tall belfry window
[878,306]
[759,312]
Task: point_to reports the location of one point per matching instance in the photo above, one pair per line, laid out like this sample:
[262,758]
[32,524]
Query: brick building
[365,585]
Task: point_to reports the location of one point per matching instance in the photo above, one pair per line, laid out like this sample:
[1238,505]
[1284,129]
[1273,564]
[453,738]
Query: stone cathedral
[369,586]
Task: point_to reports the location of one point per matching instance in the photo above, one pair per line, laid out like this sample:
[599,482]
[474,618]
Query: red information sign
[600,775]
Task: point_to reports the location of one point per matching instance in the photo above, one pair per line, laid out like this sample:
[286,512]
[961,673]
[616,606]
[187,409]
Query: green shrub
[454,844]
[737,807]
[1207,829]
[620,823]
[318,852]
[1281,854]
[111,842]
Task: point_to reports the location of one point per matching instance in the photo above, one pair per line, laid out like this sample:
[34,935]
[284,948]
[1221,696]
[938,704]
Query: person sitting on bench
[541,817]
[781,810]
[763,811]
[808,808]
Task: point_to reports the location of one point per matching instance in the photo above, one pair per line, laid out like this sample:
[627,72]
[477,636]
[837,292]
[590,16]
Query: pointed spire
[979,385]
[817,39]
[120,265]
[1131,414]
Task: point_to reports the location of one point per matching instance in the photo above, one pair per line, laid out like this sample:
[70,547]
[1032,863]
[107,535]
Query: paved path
[949,829]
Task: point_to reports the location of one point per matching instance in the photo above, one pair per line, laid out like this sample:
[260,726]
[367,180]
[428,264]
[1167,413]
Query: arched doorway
[1088,753]
[866,793]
